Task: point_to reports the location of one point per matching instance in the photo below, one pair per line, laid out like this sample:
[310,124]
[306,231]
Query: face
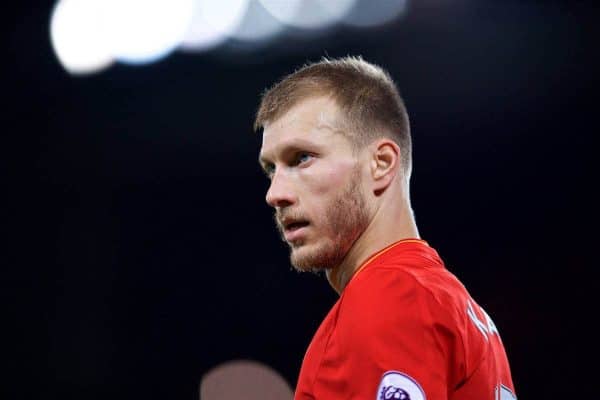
[316,184]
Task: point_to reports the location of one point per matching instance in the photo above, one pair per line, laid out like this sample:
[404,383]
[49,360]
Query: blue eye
[269,170]
[303,157]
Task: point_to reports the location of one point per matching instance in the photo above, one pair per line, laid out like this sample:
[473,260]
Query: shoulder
[396,319]
[393,283]
[390,295]
[383,283]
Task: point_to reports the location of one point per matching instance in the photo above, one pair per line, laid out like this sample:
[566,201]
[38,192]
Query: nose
[280,193]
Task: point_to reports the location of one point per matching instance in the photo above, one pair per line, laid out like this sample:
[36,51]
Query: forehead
[314,120]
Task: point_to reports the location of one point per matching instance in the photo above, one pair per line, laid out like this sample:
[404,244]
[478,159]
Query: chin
[303,260]
[314,258]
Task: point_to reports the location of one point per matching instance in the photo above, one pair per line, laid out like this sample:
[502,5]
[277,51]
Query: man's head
[368,98]
[336,135]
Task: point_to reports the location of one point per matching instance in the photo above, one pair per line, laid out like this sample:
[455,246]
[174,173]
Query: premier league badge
[395,385]
[392,392]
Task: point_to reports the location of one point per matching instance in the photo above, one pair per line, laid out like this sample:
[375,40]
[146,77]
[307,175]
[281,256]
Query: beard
[346,218]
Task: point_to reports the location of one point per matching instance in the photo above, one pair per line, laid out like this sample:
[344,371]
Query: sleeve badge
[395,385]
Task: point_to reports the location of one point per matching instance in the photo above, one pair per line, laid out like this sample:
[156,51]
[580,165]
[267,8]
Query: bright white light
[368,13]
[309,14]
[258,24]
[213,22]
[77,36]
[143,31]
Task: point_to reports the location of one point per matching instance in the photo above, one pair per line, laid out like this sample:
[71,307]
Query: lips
[293,228]
[294,225]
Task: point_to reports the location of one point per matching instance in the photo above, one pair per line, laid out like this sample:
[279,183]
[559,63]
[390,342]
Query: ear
[385,161]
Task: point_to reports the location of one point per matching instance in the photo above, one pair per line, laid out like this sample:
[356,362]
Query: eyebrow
[292,146]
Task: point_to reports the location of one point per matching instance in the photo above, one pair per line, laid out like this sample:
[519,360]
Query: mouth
[293,229]
[292,226]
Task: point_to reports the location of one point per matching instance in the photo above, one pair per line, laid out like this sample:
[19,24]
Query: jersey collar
[386,250]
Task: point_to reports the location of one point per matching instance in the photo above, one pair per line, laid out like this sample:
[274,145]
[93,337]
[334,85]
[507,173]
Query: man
[336,147]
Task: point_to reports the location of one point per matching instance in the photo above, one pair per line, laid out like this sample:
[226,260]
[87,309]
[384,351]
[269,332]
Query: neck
[387,226]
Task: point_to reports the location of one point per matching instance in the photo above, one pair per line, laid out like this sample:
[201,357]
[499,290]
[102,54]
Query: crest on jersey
[395,385]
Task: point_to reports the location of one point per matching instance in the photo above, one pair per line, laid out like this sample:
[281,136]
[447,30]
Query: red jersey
[405,328]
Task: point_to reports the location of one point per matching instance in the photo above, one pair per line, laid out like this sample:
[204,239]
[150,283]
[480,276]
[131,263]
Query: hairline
[343,122]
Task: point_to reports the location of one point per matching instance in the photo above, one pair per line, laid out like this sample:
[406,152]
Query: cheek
[324,186]
[331,178]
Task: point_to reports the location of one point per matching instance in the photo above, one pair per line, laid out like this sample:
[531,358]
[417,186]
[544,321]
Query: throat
[342,274]
[339,277]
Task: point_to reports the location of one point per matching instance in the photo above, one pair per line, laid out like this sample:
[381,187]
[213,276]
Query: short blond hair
[366,94]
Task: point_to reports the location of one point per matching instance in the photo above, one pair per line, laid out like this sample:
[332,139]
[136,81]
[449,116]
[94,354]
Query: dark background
[141,252]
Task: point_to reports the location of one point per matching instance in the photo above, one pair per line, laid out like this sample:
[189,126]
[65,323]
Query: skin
[346,204]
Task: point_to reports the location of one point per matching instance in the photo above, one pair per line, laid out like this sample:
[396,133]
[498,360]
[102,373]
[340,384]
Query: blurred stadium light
[213,23]
[143,31]
[77,37]
[89,35]
[309,14]
[258,25]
